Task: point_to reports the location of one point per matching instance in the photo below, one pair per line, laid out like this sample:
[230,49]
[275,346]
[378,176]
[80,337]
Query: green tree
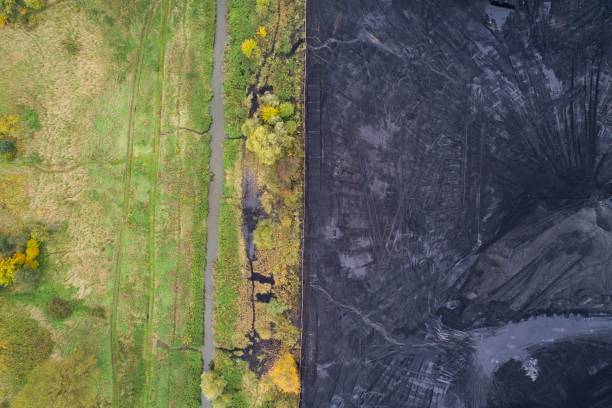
[269,144]
[249,126]
[286,110]
[69,382]
[212,385]
[23,344]
[8,150]
[264,234]
[291,127]
[59,308]
[269,99]
[266,146]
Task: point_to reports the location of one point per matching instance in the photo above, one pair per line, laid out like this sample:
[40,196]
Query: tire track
[127,181]
[165,5]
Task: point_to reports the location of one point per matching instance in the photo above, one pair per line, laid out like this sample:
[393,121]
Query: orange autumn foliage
[31,253]
[11,265]
[284,374]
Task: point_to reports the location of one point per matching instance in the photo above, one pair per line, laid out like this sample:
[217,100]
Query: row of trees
[271,132]
[282,376]
[272,137]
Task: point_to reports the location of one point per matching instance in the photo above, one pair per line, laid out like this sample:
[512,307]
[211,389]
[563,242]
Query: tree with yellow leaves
[31,253]
[269,114]
[9,266]
[7,271]
[284,374]
[8,123]
[262,32]
[212,385]
[267,145]
[249,48]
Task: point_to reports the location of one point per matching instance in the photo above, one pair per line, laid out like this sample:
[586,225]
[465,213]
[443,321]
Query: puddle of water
[496,346]
[497,14]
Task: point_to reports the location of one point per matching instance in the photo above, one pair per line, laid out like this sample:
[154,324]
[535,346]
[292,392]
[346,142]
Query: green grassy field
[115,182]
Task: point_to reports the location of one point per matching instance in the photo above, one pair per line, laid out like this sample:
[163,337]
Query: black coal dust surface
[458,244]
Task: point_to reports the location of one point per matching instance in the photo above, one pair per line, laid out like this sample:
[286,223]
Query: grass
[239,70]
[118,185]
[228,270]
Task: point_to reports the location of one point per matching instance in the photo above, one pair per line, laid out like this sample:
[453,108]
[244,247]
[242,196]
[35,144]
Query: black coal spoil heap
[458,244]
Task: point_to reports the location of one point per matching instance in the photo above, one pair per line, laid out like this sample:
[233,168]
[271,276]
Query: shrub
[23,343]
[291,127]
[269,99]
[30,117]
[72,45]
[249,48]
[59,308]
[264,235]
[212,385]
[262,32]
[275,308]
[8,268]
[266,145]
[261,6]
[286,110]
[267,202]
[31,253]
[99,312]
[10,265]
[8,123]
[8,150]
[249,126]
[284,374]
[69,382]
[269,114]
[34,4]
[224,401]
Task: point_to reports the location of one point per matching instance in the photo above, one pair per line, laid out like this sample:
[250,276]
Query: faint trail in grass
[58,170]
[179,210]
[127,181]
[165,5]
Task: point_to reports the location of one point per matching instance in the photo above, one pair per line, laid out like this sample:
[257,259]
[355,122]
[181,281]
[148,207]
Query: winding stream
[215,187]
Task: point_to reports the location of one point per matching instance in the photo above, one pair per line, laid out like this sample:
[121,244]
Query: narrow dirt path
[215,191]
